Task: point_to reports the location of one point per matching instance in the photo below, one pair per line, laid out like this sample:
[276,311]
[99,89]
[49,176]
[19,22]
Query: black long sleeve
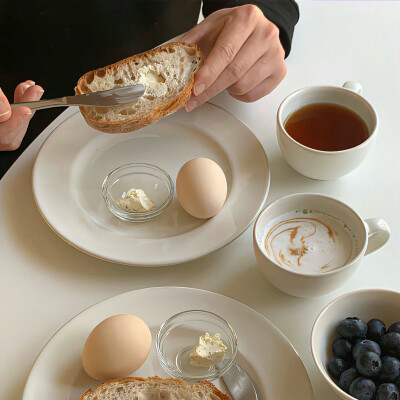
[55,42]
[88,34]
[283,13]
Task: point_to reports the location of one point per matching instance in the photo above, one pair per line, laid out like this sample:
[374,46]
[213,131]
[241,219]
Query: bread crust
[132,124]
[215,390]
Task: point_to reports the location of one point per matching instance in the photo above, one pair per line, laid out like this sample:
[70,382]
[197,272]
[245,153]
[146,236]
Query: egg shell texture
[201,188]
[116,347]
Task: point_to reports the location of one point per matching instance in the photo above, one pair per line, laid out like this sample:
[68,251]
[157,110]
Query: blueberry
[352,328]
[376,329]
[342,348]
[390,369]
[347,378]
[369,364]
[362,389]
[365,345]
[387,391]
[390,344]
[394,327]
[336,366]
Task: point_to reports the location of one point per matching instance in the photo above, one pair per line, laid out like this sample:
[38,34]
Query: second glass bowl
[154,181]
[178,336]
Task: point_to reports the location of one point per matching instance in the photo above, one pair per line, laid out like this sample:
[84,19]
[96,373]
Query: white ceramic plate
[72,163]
[263,350]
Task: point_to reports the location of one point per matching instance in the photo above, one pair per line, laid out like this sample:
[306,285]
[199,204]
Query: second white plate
[264,352]
[72,163]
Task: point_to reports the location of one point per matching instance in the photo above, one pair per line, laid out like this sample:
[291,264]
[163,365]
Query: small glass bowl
[178,336]
[154,181]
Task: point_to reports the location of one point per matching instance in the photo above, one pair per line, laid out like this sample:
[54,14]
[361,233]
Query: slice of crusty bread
[167,72]
[154,388]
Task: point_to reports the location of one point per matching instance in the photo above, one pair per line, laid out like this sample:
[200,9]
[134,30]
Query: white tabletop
[44,281]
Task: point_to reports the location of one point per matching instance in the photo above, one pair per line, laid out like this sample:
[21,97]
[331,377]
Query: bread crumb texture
[165,71]
[154,388]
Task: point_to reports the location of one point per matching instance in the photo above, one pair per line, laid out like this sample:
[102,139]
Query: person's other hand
[14,123]
[243,54]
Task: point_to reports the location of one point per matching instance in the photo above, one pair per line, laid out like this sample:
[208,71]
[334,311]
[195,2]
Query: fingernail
[198,89]
[2,108]
[191,104]
[27,116]
[30,83]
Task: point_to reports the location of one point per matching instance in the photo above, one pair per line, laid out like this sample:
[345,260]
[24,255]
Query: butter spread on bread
[167,72]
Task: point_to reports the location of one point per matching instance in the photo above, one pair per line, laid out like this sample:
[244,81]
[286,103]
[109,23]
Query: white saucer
[264,352]
[72,163]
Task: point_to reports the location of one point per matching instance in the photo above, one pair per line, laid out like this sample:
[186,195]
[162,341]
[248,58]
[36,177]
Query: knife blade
[105,98]
[239,384]
[122,95]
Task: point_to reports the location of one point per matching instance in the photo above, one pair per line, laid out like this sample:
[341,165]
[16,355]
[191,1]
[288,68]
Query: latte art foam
[308,241]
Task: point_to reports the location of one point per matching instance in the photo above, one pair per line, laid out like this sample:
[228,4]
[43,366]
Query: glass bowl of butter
[137,192]
[196,345]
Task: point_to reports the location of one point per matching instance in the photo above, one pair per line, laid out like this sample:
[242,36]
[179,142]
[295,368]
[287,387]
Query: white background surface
[44,282]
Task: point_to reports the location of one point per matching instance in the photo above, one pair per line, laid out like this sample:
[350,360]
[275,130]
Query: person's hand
[14,123]
[243,54]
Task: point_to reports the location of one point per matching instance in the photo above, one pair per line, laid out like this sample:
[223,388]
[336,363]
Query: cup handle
[378,234]
[354,86]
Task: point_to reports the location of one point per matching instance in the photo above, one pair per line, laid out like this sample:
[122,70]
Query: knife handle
[41,104]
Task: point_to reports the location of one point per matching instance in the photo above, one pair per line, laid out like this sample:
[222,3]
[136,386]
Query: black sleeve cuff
[283,13]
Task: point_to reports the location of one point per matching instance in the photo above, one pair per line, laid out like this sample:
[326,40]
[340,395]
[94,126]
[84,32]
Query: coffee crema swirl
[308,244]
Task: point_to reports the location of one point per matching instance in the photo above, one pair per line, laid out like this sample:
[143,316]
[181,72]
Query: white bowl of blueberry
[355,344]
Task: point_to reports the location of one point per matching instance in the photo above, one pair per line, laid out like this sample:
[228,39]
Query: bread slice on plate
[167,72]
[154,388]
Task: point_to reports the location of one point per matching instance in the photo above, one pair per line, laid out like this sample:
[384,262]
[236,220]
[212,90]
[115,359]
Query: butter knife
[240,385]
[105,98]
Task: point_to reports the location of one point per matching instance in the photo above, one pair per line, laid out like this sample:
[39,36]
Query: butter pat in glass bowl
[178,336]
[154,181]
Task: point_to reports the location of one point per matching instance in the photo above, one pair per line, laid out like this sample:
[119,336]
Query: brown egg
[201,187]
[116,347]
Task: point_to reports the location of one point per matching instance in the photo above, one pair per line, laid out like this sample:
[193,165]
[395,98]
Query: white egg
[116,347]
[201,188]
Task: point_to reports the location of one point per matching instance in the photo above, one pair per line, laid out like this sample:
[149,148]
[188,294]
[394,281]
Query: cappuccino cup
[319,164]
[308,244]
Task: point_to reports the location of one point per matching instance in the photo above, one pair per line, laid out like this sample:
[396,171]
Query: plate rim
[145,264]
[150,288]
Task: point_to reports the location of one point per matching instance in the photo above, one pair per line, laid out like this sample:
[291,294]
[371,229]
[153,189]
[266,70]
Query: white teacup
[325,165]
[369,235]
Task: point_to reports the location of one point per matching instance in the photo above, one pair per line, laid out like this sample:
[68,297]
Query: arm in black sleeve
[283,13]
